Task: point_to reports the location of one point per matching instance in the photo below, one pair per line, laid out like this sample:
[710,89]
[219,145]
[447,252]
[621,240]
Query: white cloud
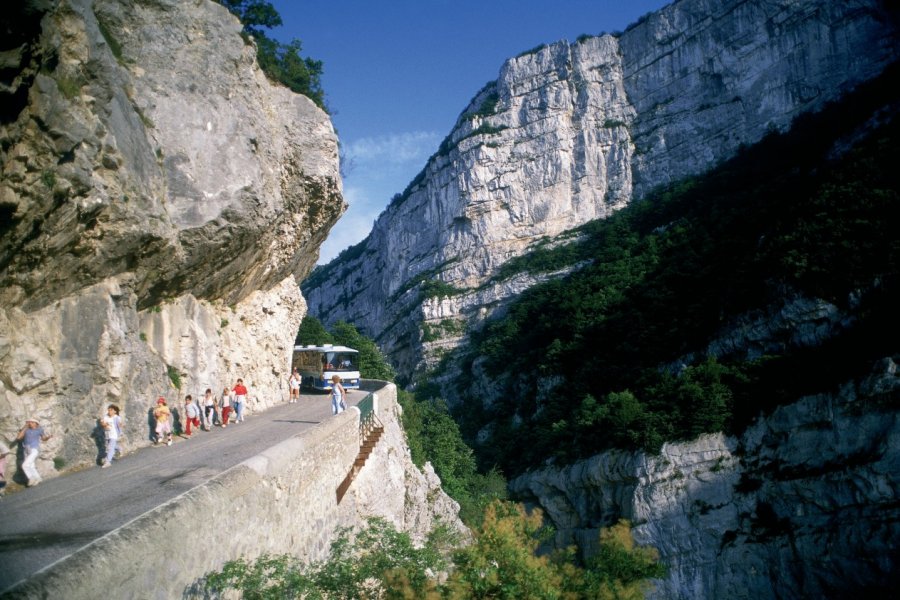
[375,169]
[398,148]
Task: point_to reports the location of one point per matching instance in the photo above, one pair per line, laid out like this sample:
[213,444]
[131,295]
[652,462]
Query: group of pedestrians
[204,413]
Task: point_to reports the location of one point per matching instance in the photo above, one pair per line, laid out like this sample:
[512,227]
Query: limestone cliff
[572,132]
[159,200]
[802,505]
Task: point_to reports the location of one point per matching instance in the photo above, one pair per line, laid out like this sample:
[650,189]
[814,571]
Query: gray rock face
[160,199]
[573,132]
[803,505]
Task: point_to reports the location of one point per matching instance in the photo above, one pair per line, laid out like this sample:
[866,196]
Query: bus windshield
[340,361]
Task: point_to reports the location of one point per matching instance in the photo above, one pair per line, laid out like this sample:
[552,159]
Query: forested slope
[711,301]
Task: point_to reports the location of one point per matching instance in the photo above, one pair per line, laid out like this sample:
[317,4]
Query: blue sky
[397,74]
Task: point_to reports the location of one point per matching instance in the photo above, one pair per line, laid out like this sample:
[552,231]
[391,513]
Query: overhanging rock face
[573,132]
[160,200]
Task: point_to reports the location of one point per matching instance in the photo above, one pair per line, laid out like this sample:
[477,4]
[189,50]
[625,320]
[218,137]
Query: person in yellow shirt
[163,417]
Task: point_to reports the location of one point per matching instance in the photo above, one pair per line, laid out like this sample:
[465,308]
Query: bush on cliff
[434,437]
[502,562]
[279,61]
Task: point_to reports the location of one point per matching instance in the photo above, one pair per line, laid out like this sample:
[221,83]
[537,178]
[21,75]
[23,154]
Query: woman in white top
[112,428]
[295,382]
[338,395]
[209,409]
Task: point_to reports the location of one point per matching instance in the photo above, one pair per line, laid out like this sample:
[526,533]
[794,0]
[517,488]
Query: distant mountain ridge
[569,133]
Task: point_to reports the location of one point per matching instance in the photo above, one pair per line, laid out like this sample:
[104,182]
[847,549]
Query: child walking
[295,382]
[209,409]
[31,437]
[191,415]
[226,406]
[112,428]
[162,414]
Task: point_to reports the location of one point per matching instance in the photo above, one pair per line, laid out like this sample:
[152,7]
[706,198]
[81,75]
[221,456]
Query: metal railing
[368,415]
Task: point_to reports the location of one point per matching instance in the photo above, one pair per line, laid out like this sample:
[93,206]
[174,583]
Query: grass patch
[114,46]
[69,87]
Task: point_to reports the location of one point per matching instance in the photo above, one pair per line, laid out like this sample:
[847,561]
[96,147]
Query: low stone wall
[280,501]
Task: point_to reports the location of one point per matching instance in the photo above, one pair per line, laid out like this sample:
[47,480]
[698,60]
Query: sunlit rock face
[574,131]
[159,201]
[802,505]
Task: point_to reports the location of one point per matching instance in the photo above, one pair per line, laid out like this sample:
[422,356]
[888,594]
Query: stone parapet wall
[280,501]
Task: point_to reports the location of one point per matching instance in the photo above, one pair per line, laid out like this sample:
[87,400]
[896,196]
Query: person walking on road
[209,409]
[191,415]
[31,436]
[338,395]
[163,417]
[295,382]
[4,452]
[226,406]
[240,397]
[112,429]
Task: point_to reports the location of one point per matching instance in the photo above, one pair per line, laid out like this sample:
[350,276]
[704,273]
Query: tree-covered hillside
[614,355]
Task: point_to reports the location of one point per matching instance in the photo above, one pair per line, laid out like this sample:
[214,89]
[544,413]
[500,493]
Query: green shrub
[280,62]
[534,50]
[114,46]
[69,87]
[174,376]
[502,562]
[437,331]
[435,288]
[370,563]
[48,178]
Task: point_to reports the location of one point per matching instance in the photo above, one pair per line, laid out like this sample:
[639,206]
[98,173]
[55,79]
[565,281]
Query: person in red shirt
[240,396]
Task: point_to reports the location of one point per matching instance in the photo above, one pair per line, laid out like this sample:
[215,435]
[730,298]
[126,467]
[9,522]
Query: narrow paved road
[43,524]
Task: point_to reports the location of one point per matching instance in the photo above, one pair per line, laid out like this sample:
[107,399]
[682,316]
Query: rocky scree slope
[160,199]
[569,133]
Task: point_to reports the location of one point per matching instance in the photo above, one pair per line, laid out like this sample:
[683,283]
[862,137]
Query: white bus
[317,365]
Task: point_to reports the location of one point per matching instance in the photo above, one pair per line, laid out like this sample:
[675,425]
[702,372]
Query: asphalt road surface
[41,525]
